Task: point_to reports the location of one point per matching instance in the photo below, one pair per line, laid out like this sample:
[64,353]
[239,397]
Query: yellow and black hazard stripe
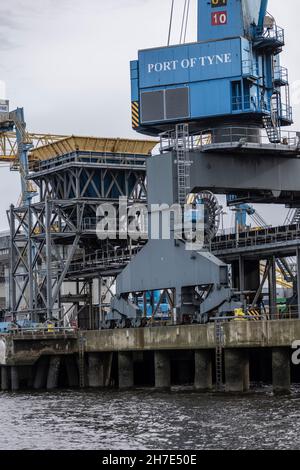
[135,114]
[254,314]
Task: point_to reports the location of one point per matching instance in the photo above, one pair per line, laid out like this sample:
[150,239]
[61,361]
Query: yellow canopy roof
[92,144]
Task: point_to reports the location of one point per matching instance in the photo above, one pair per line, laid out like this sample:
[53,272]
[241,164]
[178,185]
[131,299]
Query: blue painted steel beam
[23,150]
[262,13]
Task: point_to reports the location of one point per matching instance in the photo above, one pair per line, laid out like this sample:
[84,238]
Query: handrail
[276,32]
[263,317]
[271,32]
[260,237]
[46,330]
[281,74]
[92,158]
[105,258]
[232,136]
[250,67]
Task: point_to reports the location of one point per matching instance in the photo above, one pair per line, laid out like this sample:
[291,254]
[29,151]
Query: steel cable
[171,21]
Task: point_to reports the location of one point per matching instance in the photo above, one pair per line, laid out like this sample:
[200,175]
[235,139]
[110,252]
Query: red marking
[219,18]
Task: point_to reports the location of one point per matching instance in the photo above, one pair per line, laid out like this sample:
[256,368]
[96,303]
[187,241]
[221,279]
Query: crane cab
[231,75]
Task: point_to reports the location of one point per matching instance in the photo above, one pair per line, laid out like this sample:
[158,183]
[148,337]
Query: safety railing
[281,75]
[290,313]
[231,231]
[250,68]
[4,252]
[271,33]
[41,331]
[275,32]
[242,136]
[107,258]
[167,141]
[255,238]
[90,223]
[89,158]
[285,112]
[93,224]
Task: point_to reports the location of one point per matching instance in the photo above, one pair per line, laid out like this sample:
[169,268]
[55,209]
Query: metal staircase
[296,218]
[183,162]
[293,217]
[271,122]
[219,338]
[285,270]
[273,132]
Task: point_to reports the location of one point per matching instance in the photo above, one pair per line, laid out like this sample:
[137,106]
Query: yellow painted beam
[8,144]
[279,278]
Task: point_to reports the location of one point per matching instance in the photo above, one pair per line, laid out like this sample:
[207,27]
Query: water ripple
[144,420]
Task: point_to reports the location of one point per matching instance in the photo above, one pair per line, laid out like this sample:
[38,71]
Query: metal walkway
[105,262]
[283,239]
[244,139]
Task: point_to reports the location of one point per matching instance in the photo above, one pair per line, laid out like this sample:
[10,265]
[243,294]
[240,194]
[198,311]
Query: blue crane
[242,211]
[231,77]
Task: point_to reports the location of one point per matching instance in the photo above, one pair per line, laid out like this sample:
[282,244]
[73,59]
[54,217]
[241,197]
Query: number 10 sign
[219,18]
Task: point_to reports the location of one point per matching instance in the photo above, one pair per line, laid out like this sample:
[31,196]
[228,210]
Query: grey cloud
[18,15]
[14,14]
[8,22]
[7,44]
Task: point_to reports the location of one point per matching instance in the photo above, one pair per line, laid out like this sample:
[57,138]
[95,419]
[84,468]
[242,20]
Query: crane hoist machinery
[231,75]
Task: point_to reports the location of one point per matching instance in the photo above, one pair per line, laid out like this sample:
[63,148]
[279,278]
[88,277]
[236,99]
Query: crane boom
[9,146]
[17,149]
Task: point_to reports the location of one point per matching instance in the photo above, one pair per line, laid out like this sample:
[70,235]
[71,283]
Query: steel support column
[30,259]
[242,277]
[273,289]
[12,283]
[48,208]
[298,280]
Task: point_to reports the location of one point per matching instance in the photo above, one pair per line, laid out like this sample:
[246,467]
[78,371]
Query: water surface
[145,420]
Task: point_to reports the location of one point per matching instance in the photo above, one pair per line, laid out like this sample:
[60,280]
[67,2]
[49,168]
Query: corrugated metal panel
[93,144]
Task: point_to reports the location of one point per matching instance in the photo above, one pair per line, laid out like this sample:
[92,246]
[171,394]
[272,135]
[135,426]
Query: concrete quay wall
[237,334]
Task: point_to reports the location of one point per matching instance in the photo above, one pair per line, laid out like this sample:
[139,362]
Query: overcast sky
[67,63]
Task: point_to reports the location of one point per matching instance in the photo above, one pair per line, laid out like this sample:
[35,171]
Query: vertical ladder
[288,102]
[219,337]
[183,162]
[81,350]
